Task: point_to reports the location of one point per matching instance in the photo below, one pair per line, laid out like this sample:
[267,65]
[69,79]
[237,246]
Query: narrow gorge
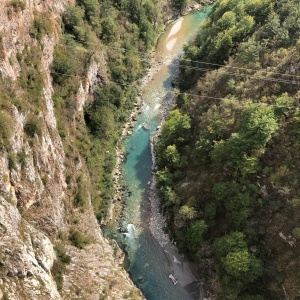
[151,256]
[145,157]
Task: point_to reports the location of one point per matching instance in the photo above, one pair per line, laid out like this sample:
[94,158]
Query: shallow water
[149,262]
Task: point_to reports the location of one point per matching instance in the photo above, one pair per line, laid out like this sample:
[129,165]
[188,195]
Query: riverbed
[151,257]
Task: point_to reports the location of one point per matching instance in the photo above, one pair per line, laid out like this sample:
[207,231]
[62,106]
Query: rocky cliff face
[35,197]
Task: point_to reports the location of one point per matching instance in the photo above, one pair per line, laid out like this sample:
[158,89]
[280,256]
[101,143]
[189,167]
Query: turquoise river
[151,257]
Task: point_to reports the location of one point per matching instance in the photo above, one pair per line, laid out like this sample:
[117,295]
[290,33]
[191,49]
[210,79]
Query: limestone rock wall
[34,193]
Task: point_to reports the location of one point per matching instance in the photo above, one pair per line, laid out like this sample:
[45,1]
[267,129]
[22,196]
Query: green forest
[228,154]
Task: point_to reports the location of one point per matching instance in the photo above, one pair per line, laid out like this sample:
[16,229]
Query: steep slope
[50,247]
[228,152]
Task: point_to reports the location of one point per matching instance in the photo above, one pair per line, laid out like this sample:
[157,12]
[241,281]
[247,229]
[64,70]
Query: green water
[148,263]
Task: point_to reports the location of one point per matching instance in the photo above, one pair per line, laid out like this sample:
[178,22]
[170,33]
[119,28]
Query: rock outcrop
[34,195]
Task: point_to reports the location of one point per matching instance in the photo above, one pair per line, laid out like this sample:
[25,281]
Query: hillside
[228,154]
[67,72]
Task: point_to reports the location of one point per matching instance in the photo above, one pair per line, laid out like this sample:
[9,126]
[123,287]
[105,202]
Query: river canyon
[151,256]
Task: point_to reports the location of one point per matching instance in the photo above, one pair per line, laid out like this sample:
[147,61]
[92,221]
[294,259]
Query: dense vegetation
[228,155]
[115,35]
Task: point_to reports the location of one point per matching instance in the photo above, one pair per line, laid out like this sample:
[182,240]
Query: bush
[5,129]
[11,162]
[80,195]
[78,239]
[32,127]
[22,156]
[41,26]
[101,122]
[31,79]
[61,253]
[73,17]
[17,4]
[57,273]
[59,265]
[62,64]
[6,93]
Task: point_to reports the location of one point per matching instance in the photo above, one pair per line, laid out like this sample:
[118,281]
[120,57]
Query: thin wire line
[249,76]
[180,93]
[271,79]
[238,68]
[201,62]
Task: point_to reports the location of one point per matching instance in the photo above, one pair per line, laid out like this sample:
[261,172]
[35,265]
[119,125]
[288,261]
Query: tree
[296,233]
[73,17]
[169,196]
[244,28]
[252,297]
[184,216]
[203,148]
[250,52]
[101,122]
[257,124]
[220,49]
[62,64]
[172,157]
[235,258]
[282,105]
[108,29]
[236,202]
[108,95]
[242,149]
[186,213]
[259,9]
[233,242]
[164,178]
[176,129]
[237,263]
[91,7]
[196,232]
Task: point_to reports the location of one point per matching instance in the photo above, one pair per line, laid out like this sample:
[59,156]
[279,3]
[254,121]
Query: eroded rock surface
[35,199]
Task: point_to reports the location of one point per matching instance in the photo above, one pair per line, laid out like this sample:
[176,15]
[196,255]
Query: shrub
[57,272]
[6,93]
[78,239]
[73,17]
[41,26]
[59,265]
[61,253]
[5,296]
[17,4]
[11,162]
[5,129]
[101,122]
[31,78]
[44,180]
[32,127]
[80,195]
[22,157]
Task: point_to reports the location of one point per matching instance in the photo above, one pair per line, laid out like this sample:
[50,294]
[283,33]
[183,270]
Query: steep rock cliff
[36,210]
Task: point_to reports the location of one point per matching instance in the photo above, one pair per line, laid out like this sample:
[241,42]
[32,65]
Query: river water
[151,260]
